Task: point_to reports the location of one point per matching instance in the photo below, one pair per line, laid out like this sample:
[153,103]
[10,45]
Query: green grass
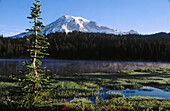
[88,85]
[5,87]
[153,70]
[111,95]
[70,89]
[115,103]
[7,84]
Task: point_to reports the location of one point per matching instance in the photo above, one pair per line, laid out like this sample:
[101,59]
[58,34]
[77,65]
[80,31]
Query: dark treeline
[95,46]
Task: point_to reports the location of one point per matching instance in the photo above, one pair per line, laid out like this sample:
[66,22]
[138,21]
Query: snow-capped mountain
[70,23]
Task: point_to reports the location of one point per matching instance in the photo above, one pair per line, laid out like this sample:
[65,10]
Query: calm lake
[10,66]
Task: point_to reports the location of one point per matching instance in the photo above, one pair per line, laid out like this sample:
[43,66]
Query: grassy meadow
[77,87]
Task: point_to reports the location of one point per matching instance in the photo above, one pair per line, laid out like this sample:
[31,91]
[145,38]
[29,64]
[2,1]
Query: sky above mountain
[144,16]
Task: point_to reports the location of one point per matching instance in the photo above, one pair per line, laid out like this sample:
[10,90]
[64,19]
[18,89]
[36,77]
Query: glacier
[68,23]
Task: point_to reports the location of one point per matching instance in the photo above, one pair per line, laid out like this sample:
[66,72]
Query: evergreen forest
[95,46]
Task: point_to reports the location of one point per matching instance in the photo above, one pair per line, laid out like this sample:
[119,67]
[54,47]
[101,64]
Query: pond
[8,66]
[145,91]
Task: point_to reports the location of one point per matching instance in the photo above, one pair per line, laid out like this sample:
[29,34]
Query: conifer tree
[35,81]
[38,42]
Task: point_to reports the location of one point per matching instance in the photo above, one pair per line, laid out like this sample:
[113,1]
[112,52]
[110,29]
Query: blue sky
[144,16]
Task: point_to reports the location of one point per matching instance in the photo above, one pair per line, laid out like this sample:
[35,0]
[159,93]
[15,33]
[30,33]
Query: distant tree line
[95,46]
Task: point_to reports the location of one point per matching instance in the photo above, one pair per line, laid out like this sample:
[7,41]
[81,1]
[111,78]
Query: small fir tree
[35,83]
[38,44]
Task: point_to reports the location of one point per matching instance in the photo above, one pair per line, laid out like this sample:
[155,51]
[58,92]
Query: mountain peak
[69,17]
[68,23]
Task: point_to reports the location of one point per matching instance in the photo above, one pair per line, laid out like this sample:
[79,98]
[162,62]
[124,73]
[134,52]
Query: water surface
[145,91]
[8,66]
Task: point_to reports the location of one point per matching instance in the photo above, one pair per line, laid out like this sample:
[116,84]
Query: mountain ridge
[68,23]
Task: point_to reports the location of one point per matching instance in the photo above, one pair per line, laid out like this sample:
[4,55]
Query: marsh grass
[71,89]
[88,85]
[154,70]
[6,86]
[111,95]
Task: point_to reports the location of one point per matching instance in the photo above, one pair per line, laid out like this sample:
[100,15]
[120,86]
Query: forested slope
[95,46]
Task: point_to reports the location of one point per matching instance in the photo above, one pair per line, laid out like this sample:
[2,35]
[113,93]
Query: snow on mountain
[69,23]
